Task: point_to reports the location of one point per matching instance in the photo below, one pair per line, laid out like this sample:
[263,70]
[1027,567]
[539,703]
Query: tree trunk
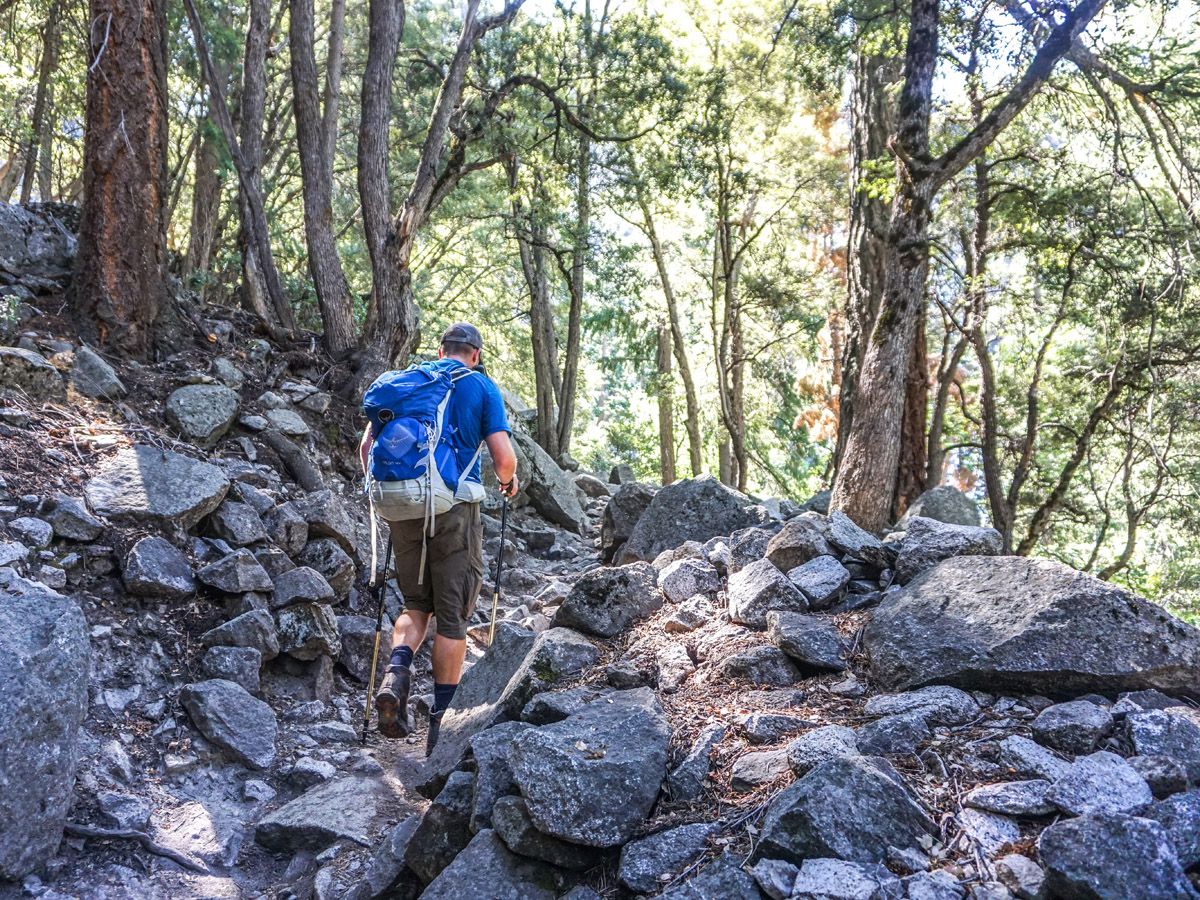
[695,444]
[329,280]
[666,417]
[251,111]
[579,257]
[936,454]
[37,152]
[333,82]
[910,476]
[206,203]
[119,286]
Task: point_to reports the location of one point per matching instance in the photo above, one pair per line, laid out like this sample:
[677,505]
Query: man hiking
[439,552]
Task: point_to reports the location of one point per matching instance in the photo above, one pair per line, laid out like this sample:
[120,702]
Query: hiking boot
[391,703]
[431,739]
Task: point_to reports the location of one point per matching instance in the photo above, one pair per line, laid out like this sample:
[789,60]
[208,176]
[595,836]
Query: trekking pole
[380,590]
[499,568]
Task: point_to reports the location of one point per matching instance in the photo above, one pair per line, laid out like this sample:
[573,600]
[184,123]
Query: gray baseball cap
[463,333]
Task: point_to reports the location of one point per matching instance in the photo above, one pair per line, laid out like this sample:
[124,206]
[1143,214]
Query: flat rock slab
[1029,626]
[344,808]
[147,484]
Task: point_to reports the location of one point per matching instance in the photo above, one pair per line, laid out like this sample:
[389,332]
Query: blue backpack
[412,470]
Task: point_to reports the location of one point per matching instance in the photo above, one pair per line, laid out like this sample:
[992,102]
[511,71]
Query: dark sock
[442,695]
[401,658]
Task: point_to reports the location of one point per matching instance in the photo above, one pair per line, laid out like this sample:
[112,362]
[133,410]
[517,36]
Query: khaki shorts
[453,567]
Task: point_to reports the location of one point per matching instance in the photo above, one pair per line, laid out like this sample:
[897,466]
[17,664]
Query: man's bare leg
[448,656]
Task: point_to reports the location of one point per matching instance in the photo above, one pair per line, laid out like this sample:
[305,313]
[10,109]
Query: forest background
[698,236]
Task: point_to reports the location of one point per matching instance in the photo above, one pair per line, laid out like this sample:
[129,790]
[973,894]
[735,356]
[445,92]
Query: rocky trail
[693,693]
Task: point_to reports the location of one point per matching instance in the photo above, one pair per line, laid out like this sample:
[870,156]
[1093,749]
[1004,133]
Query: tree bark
[37,152]
[329,279]
[579,257]
[206,203]
[866,482]
[666,414]
[119,284]
[913,464]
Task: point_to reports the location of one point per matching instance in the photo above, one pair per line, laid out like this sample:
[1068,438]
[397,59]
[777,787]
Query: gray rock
[1012,798]
[386,873]
[236,573]
[240,665]
[628,503]
[554,706]
[1180,816]
[747,546]
[327,557]
[822,580]
[287,421]
[838,879]
[775,877]
[893,735]
[93,377]
[300,585]
[123,811]
[988,831]
[944,504]
[227,373]
[444,829]
[1101,782]
[486,868]
[752,770]
[1111,857]
[605,601]
[228,716]
[148,484]
[550,490]
[254,629]
[650,861]
[762,665]
[326,516]
[308,772]
[154,567]
[591,485]
[31,532]
[771,727]
[35,243]
[1074,727]
[341,809]
[1161,733]
[287,528]
[812,642]
[674,666]
[237,524]
[802,539]
[1133,701]
[939,885]
[593,778]
[723,877]
[693,509]
[1164,775]
[693,613]
[493,774]
[927,542]
[1011,623]
[332,733]
[13,552]
[847,537]
[308,630]
[357,635]
[202,413]
[1032,760]
[71,519]
[687,780]
[44,663]
[820,745]
[514,826]
[30,374]
[757,590]
[687,577]
[845,808]
[274,561]
[1021,875]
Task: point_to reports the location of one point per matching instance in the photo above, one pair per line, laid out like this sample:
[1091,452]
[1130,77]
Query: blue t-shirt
[475,411]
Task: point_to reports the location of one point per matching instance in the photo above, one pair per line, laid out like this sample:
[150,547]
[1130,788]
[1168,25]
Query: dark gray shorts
[453,567]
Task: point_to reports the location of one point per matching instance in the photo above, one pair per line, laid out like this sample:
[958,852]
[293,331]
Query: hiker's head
[462,341]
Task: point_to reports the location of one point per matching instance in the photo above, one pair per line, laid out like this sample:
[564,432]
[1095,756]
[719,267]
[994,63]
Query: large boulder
[146,483]
[605,602]
[340,809]
[944,504]
[486,868]
[593,778]
[28,373]
[845,808]
[621,514]
[202,413]
[34,243]
[694,509]
[230,717]
[927,542]
[550,490]
[44,661]
[1031,626]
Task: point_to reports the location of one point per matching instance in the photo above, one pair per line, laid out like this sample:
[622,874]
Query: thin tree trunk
[251,110]
[936,454]
[329,279]
[206,203]
[119,284]
[38,148]
[910,474]
[579,257]
[333,82]
[695,444]
[666,417]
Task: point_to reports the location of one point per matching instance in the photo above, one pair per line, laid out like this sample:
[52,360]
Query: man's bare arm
[504,462]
